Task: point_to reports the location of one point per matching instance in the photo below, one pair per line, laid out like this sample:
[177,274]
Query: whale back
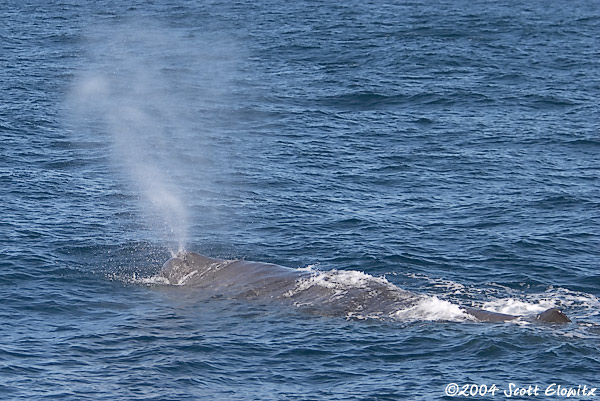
[329,293]
[551,315]
[345,293]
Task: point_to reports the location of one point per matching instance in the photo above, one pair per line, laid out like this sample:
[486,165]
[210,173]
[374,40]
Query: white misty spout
[147,86]
[144,149]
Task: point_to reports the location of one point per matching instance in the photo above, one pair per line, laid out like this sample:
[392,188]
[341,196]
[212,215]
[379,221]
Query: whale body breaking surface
[350,294]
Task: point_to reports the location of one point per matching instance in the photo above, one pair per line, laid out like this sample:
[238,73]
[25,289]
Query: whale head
[185,265]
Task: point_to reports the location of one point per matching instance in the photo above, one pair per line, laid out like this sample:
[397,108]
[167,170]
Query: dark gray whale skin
[240,278]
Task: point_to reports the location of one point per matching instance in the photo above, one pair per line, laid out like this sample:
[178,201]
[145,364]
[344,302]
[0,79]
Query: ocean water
[450,148]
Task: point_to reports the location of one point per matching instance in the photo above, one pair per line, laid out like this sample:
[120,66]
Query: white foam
[433,309]
[574,303]
[502,299]
[338,280]
[580,304]
[511,306]
[309,268]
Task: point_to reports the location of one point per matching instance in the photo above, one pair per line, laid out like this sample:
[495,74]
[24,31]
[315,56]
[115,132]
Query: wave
[374,100]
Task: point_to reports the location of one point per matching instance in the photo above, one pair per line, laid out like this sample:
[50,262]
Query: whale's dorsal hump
[553,315]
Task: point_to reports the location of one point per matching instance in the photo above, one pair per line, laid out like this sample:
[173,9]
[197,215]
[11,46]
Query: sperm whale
[335,293]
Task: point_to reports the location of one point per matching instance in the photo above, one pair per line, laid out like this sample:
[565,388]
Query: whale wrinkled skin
[330,293]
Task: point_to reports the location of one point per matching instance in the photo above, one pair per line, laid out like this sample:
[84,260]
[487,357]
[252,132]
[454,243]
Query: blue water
[451,147]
